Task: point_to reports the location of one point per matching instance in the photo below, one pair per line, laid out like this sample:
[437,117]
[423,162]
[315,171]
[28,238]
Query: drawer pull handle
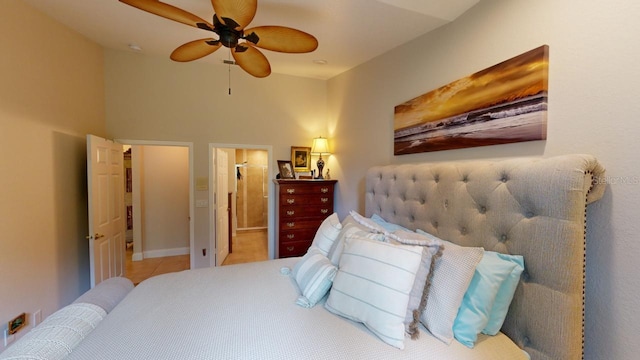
[291,201]
[324,200]
[324,211]
[291,224]
[291,191]
[291,236]
[324,190]
[290,212]
[290,248]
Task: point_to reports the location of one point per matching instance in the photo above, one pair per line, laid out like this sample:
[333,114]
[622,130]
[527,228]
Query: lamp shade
[320,146]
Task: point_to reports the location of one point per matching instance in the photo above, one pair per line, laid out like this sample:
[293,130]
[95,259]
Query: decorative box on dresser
[301,206]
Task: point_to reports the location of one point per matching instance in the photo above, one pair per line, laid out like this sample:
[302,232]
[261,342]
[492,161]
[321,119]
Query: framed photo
[286,169]
[301,158]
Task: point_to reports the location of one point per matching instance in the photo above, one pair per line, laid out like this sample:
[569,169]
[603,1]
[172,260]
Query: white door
[222,206]
[106,209]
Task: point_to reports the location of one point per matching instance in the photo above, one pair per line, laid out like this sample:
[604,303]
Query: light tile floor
[137,271]
[248,246]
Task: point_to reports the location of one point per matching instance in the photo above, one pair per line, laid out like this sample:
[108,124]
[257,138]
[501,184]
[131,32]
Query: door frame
[222,185]
[212,205]
[189,145]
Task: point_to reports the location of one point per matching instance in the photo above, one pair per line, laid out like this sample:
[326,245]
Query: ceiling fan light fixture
[229,22]
[228,39]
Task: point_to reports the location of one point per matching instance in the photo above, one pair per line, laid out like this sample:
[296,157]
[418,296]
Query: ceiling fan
[229,22]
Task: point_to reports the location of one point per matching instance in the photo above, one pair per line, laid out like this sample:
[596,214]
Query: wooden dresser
[301,206]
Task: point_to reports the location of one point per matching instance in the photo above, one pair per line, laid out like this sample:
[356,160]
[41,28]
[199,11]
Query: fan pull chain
[229,62]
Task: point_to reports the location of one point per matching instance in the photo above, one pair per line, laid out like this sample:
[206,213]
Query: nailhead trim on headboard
[533,207]
[584,263]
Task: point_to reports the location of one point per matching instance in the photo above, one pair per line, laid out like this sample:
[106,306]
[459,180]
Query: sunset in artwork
[501,104]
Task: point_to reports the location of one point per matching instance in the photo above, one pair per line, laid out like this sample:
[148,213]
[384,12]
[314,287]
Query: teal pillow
[476,308]
[505,295]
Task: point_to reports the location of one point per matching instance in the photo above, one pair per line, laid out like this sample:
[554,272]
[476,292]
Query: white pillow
[373,284]
[314,274]
[327,233]
[368,223]
[432,251]
[451,278]
[350,228]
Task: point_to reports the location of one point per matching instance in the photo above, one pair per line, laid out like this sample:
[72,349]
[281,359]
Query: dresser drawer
[294,248]
[295,223]
[291,212]
[310,199]
[311,188]
[287,236]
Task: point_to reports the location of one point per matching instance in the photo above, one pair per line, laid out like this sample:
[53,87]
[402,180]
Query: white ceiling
[349,32]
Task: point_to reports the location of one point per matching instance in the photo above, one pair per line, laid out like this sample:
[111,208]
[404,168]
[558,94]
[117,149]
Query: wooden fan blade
[251,60]
[194,50]
[170,12]
[282,39]
[241,11]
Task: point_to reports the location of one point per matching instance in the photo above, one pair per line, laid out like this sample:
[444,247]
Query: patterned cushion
[314,274]
[373,284]
[451,278]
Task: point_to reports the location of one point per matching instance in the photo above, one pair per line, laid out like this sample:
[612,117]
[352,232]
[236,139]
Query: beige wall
[165,200]
[593,108]
[150,98]
[51,96]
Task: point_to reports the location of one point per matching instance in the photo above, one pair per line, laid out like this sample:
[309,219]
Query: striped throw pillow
[314,274]
[327,233]
[373,285]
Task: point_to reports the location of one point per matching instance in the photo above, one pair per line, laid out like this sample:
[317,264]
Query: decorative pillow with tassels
[432,251]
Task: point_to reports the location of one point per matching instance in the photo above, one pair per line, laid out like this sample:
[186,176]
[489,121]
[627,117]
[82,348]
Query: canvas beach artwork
[505,103]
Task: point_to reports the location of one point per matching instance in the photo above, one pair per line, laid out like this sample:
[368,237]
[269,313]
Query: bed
[532,208]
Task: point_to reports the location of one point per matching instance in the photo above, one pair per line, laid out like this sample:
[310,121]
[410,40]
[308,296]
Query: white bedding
[248,311]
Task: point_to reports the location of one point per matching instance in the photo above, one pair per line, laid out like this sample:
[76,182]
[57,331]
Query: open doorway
[250,215]
[158,202]
[249,204]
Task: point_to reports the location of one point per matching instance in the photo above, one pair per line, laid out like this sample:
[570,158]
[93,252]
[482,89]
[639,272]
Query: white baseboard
[137,257]
[166,252]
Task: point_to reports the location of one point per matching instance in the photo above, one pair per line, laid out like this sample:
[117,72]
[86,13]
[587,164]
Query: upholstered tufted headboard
[529,206]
